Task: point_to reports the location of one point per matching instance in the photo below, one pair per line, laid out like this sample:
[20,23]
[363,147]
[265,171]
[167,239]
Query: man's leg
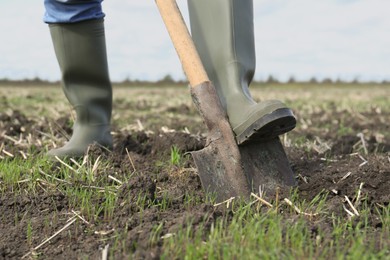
[224,37]
[79,42]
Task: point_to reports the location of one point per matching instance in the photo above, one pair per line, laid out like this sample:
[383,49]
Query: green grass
[252,234]
[79,183]
[175,156]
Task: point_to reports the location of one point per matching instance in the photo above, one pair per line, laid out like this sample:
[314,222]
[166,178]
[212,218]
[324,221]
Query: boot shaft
[223,34]
[81,53]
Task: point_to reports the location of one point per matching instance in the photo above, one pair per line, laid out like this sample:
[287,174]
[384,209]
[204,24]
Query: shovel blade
[228,170]
[267,166]
[264,166]
[221,172]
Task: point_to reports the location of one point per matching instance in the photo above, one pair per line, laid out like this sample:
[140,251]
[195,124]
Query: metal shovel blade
[228,170]
[266,166]
[219,163]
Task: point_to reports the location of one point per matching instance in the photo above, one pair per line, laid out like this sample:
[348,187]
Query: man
[224,37]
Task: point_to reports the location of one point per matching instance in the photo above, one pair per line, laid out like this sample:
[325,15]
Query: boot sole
[268,127]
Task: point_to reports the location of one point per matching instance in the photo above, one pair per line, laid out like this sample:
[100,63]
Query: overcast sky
[344,39]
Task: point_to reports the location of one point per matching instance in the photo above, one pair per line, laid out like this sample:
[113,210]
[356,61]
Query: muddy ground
[324,156]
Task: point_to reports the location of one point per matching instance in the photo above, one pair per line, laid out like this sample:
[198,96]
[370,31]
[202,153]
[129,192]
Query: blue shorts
[72,11]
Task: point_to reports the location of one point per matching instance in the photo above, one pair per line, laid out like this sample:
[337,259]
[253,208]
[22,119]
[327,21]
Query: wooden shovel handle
[182,41]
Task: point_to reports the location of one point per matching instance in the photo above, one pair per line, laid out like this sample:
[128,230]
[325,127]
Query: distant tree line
[26,82]
[169,80]
[314,80]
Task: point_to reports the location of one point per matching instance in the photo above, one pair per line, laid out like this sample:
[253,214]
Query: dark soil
[339,170]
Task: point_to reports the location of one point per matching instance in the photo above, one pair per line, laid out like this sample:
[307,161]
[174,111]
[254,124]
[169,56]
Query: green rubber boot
[223,34]
[81,53]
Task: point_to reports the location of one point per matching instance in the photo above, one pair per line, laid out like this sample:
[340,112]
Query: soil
[327,162]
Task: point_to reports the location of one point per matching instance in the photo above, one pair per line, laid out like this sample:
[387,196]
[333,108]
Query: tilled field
[338,150]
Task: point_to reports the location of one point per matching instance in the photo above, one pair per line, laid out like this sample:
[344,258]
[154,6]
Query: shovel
[225,169]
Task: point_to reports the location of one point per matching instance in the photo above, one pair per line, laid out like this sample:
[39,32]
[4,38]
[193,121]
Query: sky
[338,39]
